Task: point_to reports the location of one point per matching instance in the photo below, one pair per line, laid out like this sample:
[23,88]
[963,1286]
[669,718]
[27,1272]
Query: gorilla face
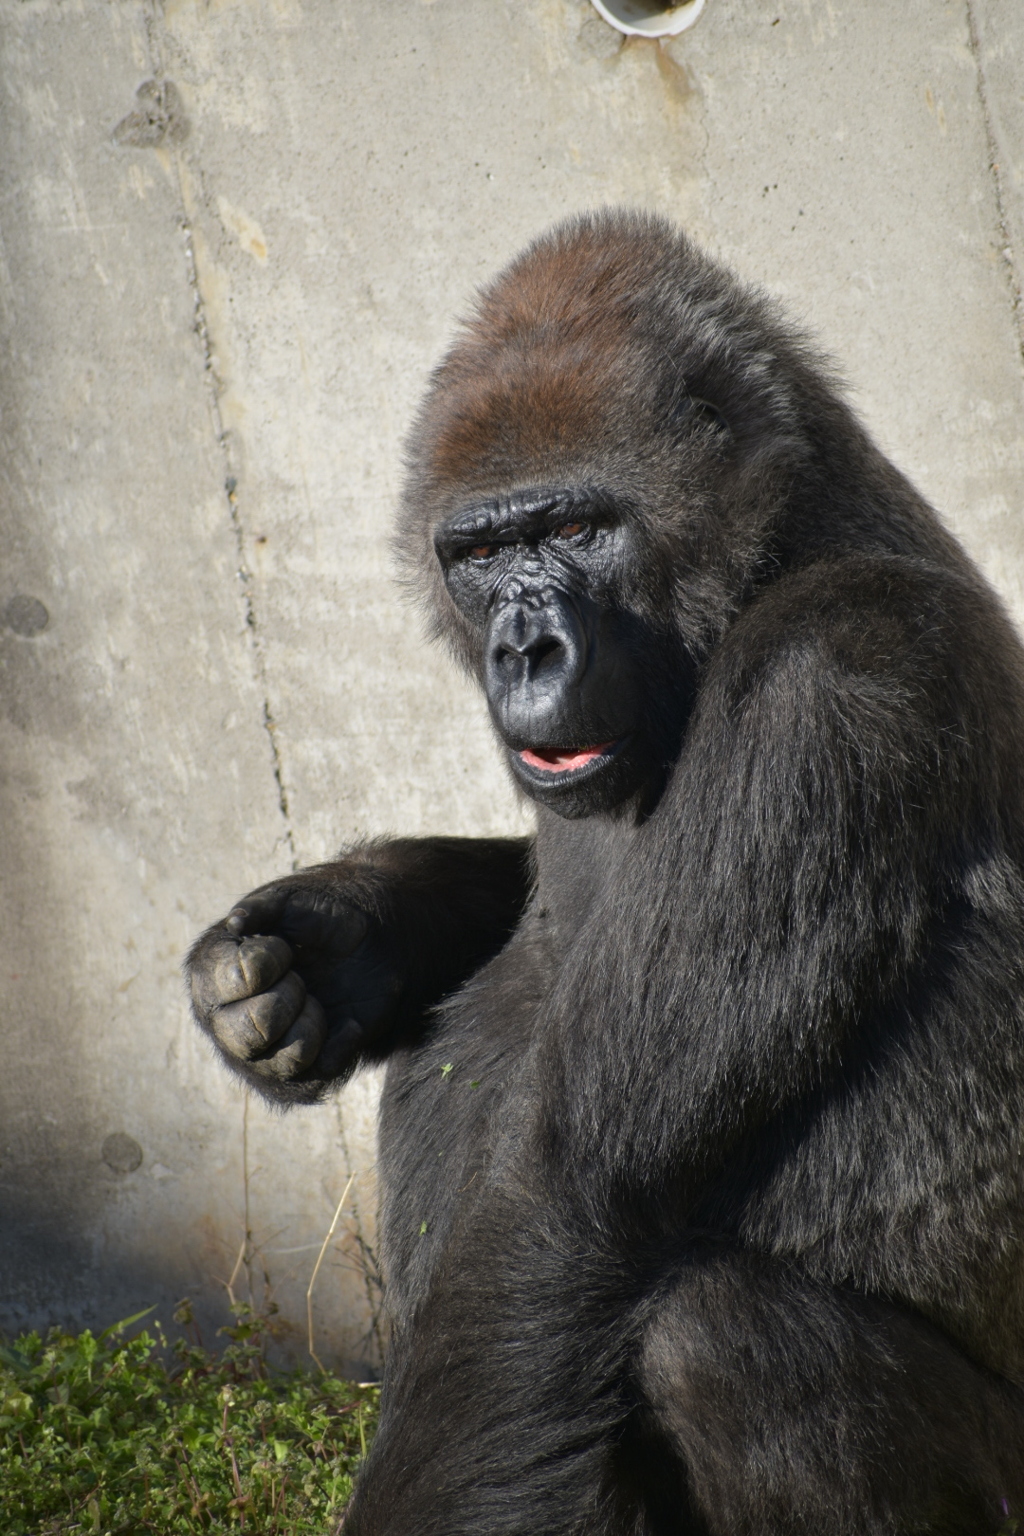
[572,676]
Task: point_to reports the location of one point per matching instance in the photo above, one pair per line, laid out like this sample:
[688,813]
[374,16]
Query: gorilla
[702,1138]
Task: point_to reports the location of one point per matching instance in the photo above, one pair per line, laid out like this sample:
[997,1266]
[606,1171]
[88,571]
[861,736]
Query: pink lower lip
[563,760]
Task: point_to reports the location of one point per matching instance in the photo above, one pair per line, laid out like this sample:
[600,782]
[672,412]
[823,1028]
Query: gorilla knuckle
[228,970]
[273,1011]
[234,1032]
[209,973]
[246,1027]
[261,962]
[300,1047]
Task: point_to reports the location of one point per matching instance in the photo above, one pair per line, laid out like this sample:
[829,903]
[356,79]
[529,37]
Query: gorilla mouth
[564,759]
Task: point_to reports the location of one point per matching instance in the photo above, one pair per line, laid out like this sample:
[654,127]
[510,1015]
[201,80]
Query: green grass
[120,1436]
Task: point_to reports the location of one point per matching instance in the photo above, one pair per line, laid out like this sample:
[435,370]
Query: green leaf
[126,1322]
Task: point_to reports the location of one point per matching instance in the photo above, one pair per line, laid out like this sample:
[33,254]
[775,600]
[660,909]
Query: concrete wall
[235,234]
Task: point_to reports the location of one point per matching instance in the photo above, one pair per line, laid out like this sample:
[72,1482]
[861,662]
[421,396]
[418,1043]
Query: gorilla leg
[799,1407]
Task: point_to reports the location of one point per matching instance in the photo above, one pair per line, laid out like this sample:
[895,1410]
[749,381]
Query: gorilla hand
[346,960]
[297,982]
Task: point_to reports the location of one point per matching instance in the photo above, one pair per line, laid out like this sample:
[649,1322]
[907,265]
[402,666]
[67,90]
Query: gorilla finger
[246,1028]
[262,961]
[259,912]
[229,970]
[235,1032]
[213,973]
[300,1046]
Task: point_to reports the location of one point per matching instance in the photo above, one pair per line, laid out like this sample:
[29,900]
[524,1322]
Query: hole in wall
[648,18]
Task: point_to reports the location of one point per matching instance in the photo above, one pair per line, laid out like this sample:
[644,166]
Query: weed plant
[121,1435]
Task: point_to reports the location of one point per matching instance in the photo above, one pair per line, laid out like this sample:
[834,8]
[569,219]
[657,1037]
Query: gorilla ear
[692,416]
[698,410]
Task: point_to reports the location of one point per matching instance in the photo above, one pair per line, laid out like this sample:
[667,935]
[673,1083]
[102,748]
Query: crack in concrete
[214,384]
[231,492]
[1006,251]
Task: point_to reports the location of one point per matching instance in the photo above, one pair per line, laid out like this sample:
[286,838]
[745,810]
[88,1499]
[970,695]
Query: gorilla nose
[527,640]
[536,656]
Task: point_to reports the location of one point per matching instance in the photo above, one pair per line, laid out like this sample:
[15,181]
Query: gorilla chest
[442,1100]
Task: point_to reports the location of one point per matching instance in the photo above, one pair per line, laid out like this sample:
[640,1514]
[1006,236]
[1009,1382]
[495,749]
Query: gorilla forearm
[448,904]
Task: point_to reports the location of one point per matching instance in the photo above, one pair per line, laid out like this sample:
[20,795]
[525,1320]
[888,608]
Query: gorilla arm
[341,962]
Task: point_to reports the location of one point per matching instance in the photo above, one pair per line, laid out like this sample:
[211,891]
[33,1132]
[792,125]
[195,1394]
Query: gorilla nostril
[540,652]
[535,652]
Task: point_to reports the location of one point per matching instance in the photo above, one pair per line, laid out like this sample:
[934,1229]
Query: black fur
[702,1197]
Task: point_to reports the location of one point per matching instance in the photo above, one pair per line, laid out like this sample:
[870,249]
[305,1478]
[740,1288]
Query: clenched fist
[298,980]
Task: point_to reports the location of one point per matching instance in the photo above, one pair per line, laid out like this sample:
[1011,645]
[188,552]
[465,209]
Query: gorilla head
[608,461]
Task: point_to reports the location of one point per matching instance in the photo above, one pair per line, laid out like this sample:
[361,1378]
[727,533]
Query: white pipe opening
[646,18]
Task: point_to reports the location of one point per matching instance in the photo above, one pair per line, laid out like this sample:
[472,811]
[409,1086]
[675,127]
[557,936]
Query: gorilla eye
[482,552]
[571,530]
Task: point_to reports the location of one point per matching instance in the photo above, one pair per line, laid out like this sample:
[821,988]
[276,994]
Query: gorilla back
[701,1140]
